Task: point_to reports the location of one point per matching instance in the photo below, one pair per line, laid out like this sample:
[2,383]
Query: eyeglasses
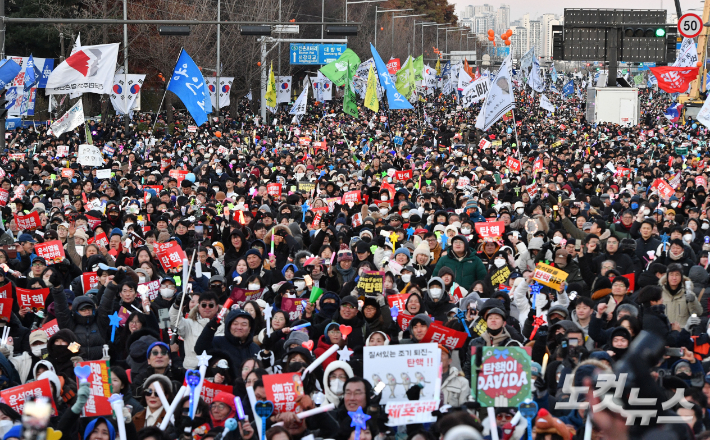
[504,416]
[348,306]
[158,352]
[208,305]
[218,405]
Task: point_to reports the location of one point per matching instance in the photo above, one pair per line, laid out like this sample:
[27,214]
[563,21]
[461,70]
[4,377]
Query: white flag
[546,104]
[299,107]
[704,114]
[500,98]
[125,92]
[225,86]
[283,89]
[536,82]
[77,45]
[70,120]
[688,54]
[326,88]
[248,96]
[527,60]
[464,79]
[89,70]
[475,91]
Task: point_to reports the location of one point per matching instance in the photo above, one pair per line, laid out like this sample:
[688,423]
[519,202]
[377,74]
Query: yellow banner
[551,277]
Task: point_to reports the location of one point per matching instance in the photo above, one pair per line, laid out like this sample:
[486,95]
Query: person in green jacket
[467,267]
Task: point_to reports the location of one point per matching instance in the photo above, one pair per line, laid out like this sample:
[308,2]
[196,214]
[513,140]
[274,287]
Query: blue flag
[568,88]
[553,74]
[395,100]
[8,71]
[32,77]
[189,85]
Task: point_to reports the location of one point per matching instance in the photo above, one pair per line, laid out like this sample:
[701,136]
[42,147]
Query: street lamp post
[437,33]
[359,2]
[382,12]
[421,23]
[401,16]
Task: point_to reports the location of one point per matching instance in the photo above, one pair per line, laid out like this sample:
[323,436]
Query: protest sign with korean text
[28,222]
[445,336]
[100,391]
[31,298]
[490,231]
[551,277]
[274,189]
[17,396]
[50,327]
[293,306]
[153,289]
[240,296]
[89,280]
[400,367]
[283,390]
[503,379]
[371,281]
[171,256]
[398,301]
[51,251]
[403,176]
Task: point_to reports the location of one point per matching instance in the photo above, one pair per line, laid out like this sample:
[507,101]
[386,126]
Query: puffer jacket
[89,330]
[467,269]
[455,388]
[677,308]
[238,351]
[190,329]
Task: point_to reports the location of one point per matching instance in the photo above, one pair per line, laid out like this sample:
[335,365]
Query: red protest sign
[93,221]
[179,175]
[398,300]
[514,164]
[316,220]
[67,173]
[283,390]
[4,197]
[293,306]
[100,240]
[171,256]
[403,175]
[153,289]
[51,251]
[274,189]
[445,336]
[393,65]
[6,308]
[304,141]
[665,190]
[6,291]
[31,298]
[16,396]
[241,296]
[89,280]
[674,79]
[100,381]
[28,222]
[50,328]
[490,231]
[701,181]
[404,320]
[485,143]
[632,280]
[211,389]
[351,197]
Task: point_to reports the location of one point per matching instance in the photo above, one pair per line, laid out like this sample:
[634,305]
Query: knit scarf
[497,340]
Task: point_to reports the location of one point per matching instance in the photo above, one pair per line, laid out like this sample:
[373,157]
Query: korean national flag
[189,85]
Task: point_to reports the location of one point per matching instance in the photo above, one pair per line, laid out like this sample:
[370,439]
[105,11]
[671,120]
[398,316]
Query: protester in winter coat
[237,341]
[467,267]
[678,295]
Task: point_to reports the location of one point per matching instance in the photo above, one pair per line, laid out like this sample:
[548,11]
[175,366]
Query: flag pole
[157,114]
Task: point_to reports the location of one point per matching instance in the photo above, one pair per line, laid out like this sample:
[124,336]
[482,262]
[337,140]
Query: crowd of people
[585,201]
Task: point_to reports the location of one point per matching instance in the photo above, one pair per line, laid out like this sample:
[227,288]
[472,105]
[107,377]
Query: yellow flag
[271,88]
[438,67]
[371,101]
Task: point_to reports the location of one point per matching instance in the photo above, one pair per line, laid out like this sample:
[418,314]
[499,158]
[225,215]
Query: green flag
[419,68]
[412,74]
[402,83]
[338,70]
[350,101]
[87,132]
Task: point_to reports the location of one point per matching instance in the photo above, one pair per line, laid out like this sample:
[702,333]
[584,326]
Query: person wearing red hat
[222,408]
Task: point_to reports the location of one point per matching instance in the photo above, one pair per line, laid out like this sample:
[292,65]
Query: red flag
[674,79]
[389,187]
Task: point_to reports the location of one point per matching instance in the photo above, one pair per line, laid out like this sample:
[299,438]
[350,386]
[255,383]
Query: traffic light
[3,104]
[660,32]
[671,35]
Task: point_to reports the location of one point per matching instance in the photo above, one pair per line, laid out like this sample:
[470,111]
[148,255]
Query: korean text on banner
[490,231]
[283,390]
[100,381]
[17,396]
[240,296]
[31,298]
[503,380]
[28,222]
[551,277]
[51,251]
[371,281]
[400,367]
[171,256]
[445,336]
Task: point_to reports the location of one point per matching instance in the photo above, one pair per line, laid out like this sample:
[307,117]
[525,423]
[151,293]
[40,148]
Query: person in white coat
[455,389]
[336,373]
[190,328]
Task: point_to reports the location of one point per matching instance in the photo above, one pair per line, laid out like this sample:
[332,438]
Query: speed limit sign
[690,25]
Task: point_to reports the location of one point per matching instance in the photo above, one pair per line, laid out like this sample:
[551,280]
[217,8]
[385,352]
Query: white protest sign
[401,367]
[103,174]
[90,156]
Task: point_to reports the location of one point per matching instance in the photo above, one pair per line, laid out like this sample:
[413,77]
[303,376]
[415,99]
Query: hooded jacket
[438,309]
[238,351]
[677,308]
[330,396]
[88,330]
[190,329]
[467,269]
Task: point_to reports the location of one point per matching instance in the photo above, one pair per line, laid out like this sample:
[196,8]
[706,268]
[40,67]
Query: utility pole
[126,118]
[218,88]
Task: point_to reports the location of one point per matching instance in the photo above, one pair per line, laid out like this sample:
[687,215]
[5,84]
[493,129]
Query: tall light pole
[218,70]
[437,32]
[446,48]
[382,12]
[437,35]
[414,33]
[401,16]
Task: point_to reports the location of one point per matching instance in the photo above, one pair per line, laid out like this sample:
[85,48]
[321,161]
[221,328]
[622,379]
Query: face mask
[336,386]
[167,293]
[557,239]
[300,285]
[687,237]
[499,262]
[674,204]
[705,226]
[37,349]
[345,188]
[465,231]
[406,277]
[384,211]
[385,198]
[520,211]
[435,293]
[646,211]
[599,167]
[253,287]
[405,214]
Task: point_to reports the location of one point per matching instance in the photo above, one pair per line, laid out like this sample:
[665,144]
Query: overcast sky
[536,8]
